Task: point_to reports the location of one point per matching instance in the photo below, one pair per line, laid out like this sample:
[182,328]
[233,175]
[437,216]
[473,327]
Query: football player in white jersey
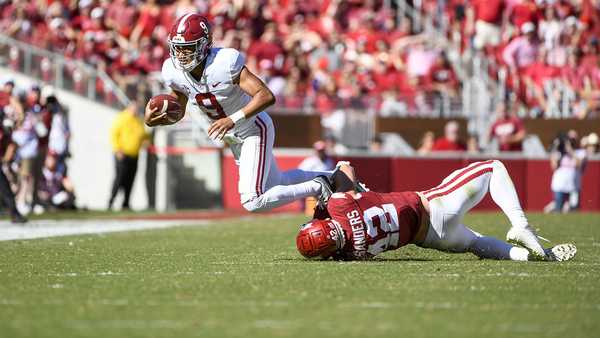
[234,99]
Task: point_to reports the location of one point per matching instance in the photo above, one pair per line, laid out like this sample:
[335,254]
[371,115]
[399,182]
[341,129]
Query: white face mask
[186,56]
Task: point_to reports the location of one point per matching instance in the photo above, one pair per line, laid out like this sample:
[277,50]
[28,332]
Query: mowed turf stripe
[57,228]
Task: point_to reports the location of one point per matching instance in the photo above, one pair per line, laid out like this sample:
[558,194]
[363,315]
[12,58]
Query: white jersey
[216,94]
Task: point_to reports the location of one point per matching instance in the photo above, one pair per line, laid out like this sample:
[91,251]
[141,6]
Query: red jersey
[375,222]
[525,12]
[489,10]
[443,144]
[506,127]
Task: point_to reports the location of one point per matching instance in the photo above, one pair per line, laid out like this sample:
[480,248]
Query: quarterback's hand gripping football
[219,128]
[154,117]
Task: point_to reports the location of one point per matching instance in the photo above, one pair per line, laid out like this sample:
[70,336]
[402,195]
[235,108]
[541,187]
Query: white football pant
[459,193]
[262,186]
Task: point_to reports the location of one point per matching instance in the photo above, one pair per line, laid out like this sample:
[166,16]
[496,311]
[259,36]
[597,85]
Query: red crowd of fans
[330,53]
[314,54]
[548,48]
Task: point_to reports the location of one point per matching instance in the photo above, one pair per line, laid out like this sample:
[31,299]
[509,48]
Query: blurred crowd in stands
[34,138]
[545,52]
[319,55]
[315,55]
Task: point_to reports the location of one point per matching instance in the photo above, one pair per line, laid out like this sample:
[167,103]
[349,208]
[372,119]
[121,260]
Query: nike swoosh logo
[216,84]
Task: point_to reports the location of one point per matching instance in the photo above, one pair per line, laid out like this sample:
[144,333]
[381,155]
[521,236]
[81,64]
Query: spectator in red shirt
[574,73]
[441,78]
[508,130]
[525,11]
[120,17]
[451,140]
[485,18]
[147,21]
[267,48]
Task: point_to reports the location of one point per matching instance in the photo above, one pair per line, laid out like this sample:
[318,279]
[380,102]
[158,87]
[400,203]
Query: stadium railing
[61,72]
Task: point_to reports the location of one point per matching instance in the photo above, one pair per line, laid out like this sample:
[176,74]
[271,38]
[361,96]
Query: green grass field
[244,279]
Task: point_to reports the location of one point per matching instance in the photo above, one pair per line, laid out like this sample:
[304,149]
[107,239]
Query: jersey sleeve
[168,76]
[238,60]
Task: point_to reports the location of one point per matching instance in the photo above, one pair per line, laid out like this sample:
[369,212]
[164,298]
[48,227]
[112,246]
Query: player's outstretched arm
[153,117]
[262,97]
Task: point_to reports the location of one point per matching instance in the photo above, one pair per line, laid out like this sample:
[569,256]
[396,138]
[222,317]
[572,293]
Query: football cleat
[527,238]
[561,252]
[326,190]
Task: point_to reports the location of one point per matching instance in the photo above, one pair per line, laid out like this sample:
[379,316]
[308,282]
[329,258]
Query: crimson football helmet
[190,40]
[320,238]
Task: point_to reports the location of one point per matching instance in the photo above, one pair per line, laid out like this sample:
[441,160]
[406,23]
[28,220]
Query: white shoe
[527,238]
[561,252]
[24,209]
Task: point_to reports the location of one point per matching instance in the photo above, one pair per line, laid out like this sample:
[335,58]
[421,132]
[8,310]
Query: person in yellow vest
[127,136]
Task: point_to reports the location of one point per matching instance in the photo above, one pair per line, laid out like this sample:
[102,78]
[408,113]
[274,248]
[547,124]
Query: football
[166,103]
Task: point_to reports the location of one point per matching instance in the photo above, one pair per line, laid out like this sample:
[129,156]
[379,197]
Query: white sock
[504,194]
[283,194]
[492,248]
[519,254]
[296,176]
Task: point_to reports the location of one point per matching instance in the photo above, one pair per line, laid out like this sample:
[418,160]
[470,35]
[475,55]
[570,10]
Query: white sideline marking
[55,228]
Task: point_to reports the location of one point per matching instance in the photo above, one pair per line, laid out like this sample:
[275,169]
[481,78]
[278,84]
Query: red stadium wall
[531,178]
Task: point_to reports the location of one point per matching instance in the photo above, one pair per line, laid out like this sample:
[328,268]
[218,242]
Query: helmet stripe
[181,26]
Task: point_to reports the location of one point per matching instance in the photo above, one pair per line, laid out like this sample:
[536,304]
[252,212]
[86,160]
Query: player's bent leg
[295,176]
[459,238]
[280,195]
[255,159]
[466,187]
[504,194]
[462,189]
[493,248]
[447,233]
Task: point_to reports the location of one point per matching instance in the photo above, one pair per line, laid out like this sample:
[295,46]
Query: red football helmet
[320,238]
[190,40]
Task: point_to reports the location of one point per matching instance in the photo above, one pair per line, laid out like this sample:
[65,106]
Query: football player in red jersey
[360,225]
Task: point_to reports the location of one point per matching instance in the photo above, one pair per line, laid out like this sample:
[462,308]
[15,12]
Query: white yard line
[55,228]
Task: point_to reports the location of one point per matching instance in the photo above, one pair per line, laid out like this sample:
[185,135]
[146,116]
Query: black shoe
[18,218]
[326,190]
